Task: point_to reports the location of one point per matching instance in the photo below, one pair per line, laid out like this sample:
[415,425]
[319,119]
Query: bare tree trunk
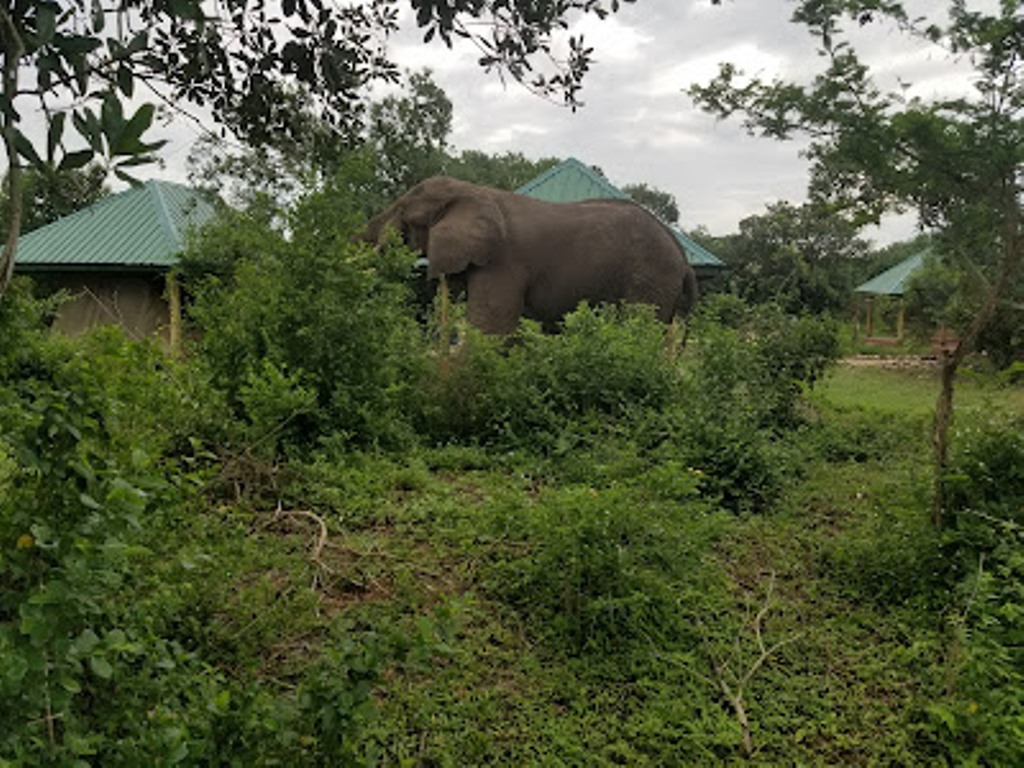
[940,431]
[1013,246]
[13,48]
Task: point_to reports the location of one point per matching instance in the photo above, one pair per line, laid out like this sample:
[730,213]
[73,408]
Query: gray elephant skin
[522,257]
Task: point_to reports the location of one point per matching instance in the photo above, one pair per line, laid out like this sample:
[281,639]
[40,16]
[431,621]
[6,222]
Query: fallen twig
[734,686]
[318,547]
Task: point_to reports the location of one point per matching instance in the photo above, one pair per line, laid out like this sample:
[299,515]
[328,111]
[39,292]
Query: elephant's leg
[494,300]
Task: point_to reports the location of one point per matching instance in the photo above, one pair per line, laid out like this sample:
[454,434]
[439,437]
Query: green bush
[72,517]
[978,717]
[987,470]
[311,335]
[535,389]
[610,377]
[102,577]
[976,711]
[741,396]
[595,571]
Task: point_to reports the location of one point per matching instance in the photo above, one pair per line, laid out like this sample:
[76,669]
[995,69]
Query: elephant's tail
[689,295]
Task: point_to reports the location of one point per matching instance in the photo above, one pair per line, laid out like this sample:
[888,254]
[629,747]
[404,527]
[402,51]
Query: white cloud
[509,134]
[748,57]
[613,41]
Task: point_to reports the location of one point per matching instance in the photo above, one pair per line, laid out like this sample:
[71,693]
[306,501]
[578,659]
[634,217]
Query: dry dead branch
[318,546]
[733,685]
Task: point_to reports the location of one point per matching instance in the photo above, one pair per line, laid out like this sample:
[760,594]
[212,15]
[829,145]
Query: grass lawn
[913,390]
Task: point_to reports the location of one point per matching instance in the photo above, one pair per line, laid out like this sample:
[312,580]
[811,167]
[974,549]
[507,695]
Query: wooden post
[900,321]
[174,305]
[870,317]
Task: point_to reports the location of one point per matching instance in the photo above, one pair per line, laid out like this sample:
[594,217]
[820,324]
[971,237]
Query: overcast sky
[638,125]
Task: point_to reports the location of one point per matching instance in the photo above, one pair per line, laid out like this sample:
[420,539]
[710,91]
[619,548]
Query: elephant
[522,257]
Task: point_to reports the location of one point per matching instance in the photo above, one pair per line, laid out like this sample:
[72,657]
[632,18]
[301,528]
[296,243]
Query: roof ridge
[156,192]
[572,163]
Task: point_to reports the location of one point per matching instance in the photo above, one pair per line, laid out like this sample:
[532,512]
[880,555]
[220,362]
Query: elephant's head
[453,223]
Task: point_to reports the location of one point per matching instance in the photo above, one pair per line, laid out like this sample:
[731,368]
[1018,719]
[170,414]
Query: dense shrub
[595,571]
[987,473]
[742,391]
[986,545]
[309,335]
[536,389]
[96,588]
[724,404]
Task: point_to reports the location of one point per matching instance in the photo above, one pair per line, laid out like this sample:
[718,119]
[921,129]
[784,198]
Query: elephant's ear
[469,231]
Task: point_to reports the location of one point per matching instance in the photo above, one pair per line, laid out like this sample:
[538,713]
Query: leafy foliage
[408,134]
[50,195]
[802,258]
[543,387]
[310,335]
[943,293]
[662,204]
[956,161]
[507,171]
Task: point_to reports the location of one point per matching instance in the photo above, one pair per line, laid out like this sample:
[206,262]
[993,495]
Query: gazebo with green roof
[572,181]
[114,256]
[891,282]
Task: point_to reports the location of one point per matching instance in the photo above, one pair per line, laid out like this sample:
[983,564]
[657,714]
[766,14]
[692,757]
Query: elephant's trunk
[375,229]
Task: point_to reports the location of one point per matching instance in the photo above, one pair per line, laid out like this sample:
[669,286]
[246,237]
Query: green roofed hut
[572,181]
[891,282]
[114,259]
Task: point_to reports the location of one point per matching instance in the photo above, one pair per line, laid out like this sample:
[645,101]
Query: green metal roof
[573,181]
[142,228]
[894,281]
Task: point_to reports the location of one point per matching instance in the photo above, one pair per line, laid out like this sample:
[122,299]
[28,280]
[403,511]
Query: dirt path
[892,361]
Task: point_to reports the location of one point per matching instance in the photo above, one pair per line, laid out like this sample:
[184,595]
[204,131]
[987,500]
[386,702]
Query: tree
[796,256]
[408,133]
[404,140]
[241,59]
[53,195]
[660,203]
[956,161]
[507,171]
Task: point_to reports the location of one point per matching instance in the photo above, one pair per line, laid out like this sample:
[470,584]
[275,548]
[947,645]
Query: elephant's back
[602,251]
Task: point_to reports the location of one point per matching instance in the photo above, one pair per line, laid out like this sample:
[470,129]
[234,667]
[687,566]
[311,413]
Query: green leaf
[75,47]
[99,18]
[126,80]
[190,10]
[75,160]
[145,159]
[127,177]
[116,638]
[54,135]
[70,684]
[101,667]
[86,642]
[46,24]
[89,502]
[16,667]
[130,133]
[88,127]
[25,148]
[112,118]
